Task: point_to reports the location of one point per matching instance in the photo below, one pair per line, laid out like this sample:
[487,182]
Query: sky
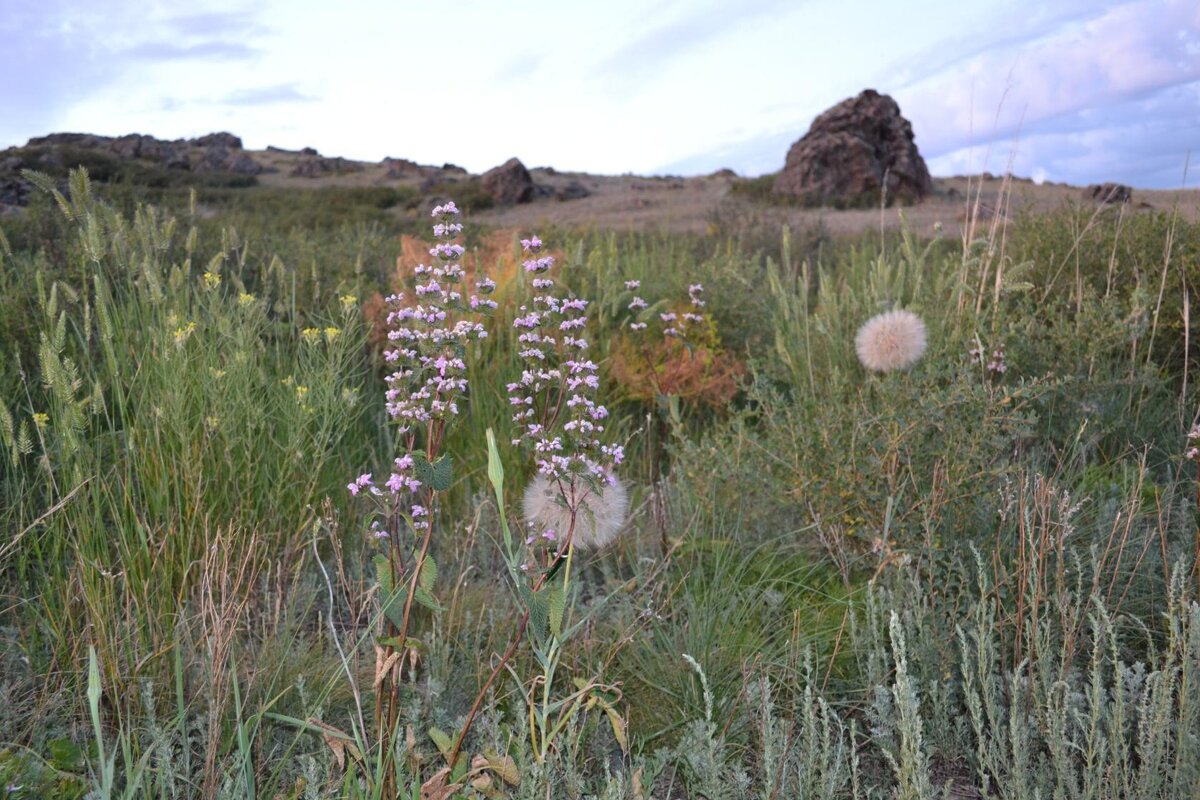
[1079,91]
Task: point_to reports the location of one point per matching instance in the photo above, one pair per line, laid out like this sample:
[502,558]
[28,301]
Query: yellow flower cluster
[211,280]
[183,332]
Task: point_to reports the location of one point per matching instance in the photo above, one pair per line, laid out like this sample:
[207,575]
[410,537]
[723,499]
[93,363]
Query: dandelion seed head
[891,341]
[598,519]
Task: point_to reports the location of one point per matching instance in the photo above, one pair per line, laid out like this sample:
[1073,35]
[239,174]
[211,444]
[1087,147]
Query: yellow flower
[212,423]
[212,280]
[217,373]
[40,419]
[311,334]
[349,301]
[181,334]
[332,333]
[245,299]
[301,393]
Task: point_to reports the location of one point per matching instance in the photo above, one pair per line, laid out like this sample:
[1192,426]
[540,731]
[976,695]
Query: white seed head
[600,510]
[890,341]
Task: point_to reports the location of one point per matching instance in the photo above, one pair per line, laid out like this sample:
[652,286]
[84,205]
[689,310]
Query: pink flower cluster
[553,402]
[425,345]
[675,324]
[1193,451]
[425,339]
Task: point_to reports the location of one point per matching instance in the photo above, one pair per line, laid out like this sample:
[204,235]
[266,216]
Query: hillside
[694,204]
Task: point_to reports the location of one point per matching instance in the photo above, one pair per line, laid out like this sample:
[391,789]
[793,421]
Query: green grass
[880,583]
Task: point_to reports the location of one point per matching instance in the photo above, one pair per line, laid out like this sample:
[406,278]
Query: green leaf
[429,573]
[422,596]
[442,740]
[438,476]
[495,467]
[539,616]
[557,605]
[389,598]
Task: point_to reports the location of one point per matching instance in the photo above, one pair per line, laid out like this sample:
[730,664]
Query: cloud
[54,53]
[218,24]
[170,51]
[1085,94]
[1143,142]
[647,53]
[1059,82]
[267,95]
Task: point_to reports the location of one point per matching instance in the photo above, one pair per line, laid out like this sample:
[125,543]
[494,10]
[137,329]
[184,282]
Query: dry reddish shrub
[701,373]
[497,254]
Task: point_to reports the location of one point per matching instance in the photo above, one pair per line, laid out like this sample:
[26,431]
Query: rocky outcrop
[14,191]
[508,184]
[856,153]
[214,152]
[219,139]
[1108,193]
[320,166]
[402,168]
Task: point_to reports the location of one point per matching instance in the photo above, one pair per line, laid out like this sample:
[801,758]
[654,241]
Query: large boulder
[1108,193]
[853,153]
[508,184]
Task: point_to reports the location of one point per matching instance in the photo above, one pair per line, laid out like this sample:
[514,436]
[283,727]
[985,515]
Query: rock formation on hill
[1108,193]
[853,153]
[214,152]
[508,184]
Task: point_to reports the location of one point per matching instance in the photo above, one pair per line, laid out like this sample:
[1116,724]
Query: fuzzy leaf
[429,573]
[438,476]
[392,602]
[422,596]
[556,605]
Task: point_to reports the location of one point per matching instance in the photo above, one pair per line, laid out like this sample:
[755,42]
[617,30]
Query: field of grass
[973,577]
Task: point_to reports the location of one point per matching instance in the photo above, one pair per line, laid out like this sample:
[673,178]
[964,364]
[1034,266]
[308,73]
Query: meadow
[243,555]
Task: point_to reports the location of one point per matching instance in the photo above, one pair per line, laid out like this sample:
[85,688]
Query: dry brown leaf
[384,665]
[506,768]
[437,788]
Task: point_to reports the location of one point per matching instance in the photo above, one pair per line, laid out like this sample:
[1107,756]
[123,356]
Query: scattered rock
[11,164]
[853,153]
[509,183]
[320,166]
[1108,193]
[572,191]
[220,139]
[220,159]
[242,164]
[402,167]
[448,167]
[303,151]
[135,145]
[15,191]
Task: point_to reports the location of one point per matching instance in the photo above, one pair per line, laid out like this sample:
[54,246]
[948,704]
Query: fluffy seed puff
[890,341]
[599,516]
